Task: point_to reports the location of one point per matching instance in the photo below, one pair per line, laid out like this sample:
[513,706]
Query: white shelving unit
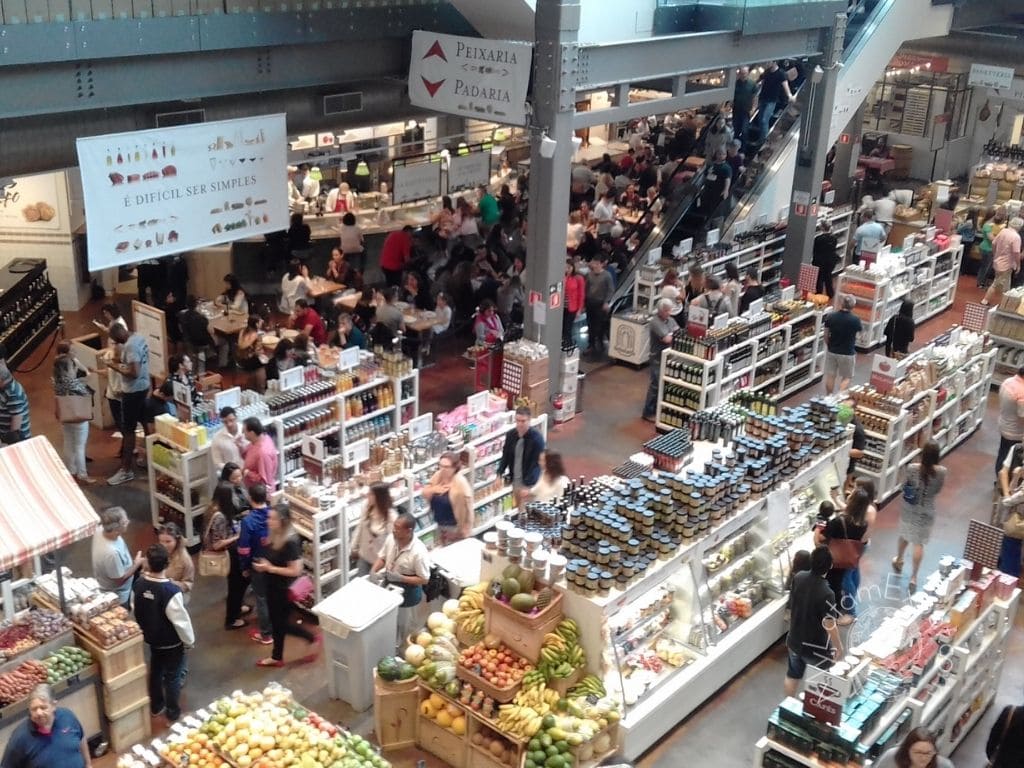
[928,279]
[1006,332]
[783,359]
[403,392]
[951,697]
[949,422]
[193,474]
[352,508]
[325,544]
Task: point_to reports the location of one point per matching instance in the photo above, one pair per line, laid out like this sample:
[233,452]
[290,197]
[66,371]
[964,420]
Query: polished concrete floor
[723,731]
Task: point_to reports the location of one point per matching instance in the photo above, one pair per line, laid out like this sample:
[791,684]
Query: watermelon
[391,669]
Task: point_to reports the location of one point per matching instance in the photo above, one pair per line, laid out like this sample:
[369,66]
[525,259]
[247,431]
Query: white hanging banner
[164,191]
[470,76]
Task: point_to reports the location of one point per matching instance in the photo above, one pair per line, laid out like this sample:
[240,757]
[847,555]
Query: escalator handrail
[859,40]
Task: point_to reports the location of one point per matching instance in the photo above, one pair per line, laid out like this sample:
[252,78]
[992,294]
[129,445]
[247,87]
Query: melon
[510,587]
[450,608]
[525,580]
[511,572]
[415,655]
[523,602]
[436,620]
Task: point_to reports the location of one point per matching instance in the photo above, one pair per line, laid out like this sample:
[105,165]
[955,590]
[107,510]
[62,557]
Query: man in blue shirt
[51,737]
[15,424]
[251,539]
[134,369]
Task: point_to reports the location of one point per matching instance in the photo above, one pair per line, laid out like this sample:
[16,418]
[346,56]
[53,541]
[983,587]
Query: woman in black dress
[282,564]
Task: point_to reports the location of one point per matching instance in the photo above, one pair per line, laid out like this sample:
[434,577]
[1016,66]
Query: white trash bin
[359,624]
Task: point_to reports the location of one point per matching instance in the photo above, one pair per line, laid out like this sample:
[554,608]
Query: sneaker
[121,476]
[117,436]
[260,638]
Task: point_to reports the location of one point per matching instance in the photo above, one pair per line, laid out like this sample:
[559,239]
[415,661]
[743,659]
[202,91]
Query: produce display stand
[926,275]
[947,692]
[44,510]
[948,410]
[782,359]
[261,728]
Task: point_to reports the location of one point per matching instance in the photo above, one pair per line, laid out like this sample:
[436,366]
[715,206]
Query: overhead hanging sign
[164,191]
[469,170]
[470,76]
[416,179]
[988,76]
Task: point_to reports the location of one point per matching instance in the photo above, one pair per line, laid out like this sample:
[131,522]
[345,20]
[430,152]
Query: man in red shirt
[260,456]
[306,320]
[395,254]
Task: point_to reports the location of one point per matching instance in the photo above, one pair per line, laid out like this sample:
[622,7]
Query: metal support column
[818,100]
[554,103]
[847,153]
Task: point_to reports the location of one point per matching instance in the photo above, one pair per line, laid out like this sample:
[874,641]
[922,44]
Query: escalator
[875,31]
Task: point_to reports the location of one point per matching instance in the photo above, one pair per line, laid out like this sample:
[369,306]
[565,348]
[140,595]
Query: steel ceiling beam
[639,109]
[608,64]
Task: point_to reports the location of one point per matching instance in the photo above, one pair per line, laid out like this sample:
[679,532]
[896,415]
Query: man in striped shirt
[15,424]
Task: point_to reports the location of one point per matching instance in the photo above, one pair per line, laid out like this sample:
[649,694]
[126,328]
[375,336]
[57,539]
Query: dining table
[321,286]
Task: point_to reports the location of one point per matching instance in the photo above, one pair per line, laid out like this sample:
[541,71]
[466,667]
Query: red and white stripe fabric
[41,506]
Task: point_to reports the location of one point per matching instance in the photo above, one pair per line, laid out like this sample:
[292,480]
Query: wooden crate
[124,690]
[528,620]
[441,743]
[501,695]
[116,660]
[130,726]
[479,757]
[520,638]
[394,713]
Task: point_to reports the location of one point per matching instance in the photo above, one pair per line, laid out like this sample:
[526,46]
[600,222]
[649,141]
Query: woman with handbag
[74,409]
[844,534]
[1010,511]
[282,564]
[220,551]
[1005,745]
[923,482]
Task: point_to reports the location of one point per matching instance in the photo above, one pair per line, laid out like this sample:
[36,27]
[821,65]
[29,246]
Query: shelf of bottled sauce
[718,342]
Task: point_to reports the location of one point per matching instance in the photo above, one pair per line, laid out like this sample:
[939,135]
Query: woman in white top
[351,241]
[465,222]
[294,285]
[233,297]
[553,481]
[732,288]
[374,526]
[442,314]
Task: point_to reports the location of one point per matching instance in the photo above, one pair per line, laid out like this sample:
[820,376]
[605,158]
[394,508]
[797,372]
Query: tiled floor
[723,731]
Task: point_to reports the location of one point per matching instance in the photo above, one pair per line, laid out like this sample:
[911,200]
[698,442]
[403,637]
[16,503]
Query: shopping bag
[74,408]
[1013,526]
[213,563]
[845,552]
[300,589]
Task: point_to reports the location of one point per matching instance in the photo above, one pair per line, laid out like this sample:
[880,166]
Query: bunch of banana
[534,679]
[470,618]
[519,721]
[590,685]
[561,653]
[540,699]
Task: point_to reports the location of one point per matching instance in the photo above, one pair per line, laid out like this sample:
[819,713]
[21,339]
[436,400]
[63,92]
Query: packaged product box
[81,10]
[59,10]
[1005,584]
[965,610]
[36,11]
[121,9]
[13,11]
[142,9]
[102,9]
[986,589]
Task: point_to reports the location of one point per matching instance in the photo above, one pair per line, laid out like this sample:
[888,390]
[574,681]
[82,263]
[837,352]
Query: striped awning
[41,506]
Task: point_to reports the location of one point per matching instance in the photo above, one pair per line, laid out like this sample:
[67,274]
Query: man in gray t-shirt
[661,329]
[133,365]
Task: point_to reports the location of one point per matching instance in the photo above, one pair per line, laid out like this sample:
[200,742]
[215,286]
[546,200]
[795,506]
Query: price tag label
[228,398]
[830,197]
[788,293]
[686,246]
[314,448]
[908,243]
[883,373]
[421,426]
[762,220]
[292,378]
[757,306]
[477,404]
[929,234]
[182,393]
[720,321]
[349,358]
[357,453]
[712,237]
[654,255]
[697,319]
